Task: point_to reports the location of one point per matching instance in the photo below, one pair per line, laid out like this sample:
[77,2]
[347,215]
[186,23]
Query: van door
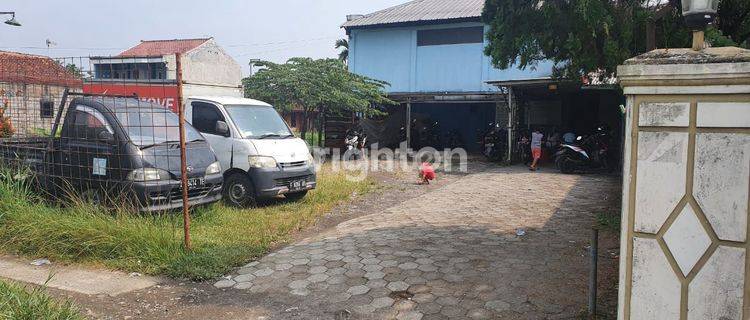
[203,117]
[88,150]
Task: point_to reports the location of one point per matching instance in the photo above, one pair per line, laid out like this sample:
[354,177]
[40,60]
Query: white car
[259,154]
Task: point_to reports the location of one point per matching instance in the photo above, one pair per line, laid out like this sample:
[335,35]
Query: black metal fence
[103,129]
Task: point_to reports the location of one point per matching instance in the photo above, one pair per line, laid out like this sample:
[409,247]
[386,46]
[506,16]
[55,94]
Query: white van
[259,154]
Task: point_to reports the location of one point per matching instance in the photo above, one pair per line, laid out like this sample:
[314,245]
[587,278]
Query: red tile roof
[158,48]
[33,69]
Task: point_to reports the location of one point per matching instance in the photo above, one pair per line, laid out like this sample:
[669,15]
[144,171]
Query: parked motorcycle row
[572,153]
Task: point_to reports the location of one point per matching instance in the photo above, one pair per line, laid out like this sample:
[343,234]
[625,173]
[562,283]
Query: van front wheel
[239,191]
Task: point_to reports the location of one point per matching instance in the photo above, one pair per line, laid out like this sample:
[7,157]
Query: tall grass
[223,237]
[20,303]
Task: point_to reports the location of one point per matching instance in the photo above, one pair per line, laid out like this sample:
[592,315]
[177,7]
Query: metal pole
[594,252]
[183,158]
[510,124]
[408,124]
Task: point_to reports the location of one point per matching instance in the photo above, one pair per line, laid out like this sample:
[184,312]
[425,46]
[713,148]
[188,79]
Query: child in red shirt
[426,173]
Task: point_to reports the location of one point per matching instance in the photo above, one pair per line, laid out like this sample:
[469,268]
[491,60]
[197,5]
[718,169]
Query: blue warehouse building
[431,52]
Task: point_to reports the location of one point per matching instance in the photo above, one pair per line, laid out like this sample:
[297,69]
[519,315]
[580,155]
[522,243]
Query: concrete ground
[452,253]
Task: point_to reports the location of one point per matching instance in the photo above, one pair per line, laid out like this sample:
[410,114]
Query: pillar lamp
[12,21]
[699,14]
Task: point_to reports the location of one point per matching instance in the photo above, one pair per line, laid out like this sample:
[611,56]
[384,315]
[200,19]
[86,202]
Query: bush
[223,237]
[22,303]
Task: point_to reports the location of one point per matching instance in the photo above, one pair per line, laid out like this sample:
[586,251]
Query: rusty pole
[183,158]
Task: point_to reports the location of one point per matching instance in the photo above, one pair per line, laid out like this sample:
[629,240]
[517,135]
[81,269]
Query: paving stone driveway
[452,253]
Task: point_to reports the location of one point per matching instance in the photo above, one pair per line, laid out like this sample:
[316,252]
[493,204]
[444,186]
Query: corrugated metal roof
[421,11]
[158,48]
[33,69]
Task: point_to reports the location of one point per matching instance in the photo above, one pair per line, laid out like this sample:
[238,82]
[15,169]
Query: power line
[224,46]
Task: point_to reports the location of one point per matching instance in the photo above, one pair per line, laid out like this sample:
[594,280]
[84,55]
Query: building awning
[446,97]
[535,82]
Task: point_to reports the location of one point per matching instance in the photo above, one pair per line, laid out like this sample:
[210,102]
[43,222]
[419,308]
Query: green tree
[343,45]
[585,36]
[323,85]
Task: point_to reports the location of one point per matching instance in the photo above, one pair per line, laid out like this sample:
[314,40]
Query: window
[89,123]
[205,116]
[438,37]
[46,108]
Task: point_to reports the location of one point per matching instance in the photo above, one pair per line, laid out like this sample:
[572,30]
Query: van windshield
[148,127]
[258,122]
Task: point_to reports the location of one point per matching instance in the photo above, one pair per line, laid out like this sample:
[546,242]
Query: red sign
[162,94]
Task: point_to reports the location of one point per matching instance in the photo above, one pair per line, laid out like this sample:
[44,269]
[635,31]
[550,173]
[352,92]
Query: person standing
[536,148]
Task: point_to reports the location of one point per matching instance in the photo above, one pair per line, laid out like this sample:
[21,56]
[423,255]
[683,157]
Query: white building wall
[209,70]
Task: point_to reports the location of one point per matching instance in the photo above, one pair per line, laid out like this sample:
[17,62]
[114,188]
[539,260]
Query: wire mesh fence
[103,129]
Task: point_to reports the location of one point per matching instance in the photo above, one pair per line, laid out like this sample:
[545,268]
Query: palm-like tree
[344,54]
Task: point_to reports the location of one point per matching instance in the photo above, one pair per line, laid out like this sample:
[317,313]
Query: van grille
[284,182]
[175,195]
[293,164]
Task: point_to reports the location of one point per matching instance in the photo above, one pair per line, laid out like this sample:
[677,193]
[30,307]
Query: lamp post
[12,21]
[699,14]
[252,64]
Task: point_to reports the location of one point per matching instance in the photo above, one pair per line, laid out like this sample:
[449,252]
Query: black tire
[297,196]
[566,165]
[239,191]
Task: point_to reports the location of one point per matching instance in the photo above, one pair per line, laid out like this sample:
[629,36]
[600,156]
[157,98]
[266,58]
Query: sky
[270,30]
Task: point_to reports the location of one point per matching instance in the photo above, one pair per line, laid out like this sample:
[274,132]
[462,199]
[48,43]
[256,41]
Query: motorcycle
[588,153]
[493,143]
[355,144]
[523,149]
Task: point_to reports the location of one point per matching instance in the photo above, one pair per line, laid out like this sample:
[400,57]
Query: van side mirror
[105,136]
[222,128]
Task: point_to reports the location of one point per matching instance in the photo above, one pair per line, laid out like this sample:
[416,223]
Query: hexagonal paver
[283,266]
[317,269]
[263,272]
[374,275]
[409,315]
[357,290]
[225,284]
[398,286]
[382,302]
[299,262]
[298,284]
[244,278]
[372,267]
[408,265]
[320,277]
[389,263]
[377,283]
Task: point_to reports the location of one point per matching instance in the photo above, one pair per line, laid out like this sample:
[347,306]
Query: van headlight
[261,162]
[214,168]
[148,174]
[310,159]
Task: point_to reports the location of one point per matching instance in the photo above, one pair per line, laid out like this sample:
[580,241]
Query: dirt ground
[175,299]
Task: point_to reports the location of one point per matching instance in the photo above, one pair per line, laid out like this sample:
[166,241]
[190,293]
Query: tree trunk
[321,120]
[304,123]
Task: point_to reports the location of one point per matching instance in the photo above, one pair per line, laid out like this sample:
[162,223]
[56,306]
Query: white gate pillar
[685,185]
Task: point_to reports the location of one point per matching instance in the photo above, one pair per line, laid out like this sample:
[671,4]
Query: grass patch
[607,221]
[21,303]
[223,237]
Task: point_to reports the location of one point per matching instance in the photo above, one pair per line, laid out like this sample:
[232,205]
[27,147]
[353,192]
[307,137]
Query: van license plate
[297,185]
[196,183]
